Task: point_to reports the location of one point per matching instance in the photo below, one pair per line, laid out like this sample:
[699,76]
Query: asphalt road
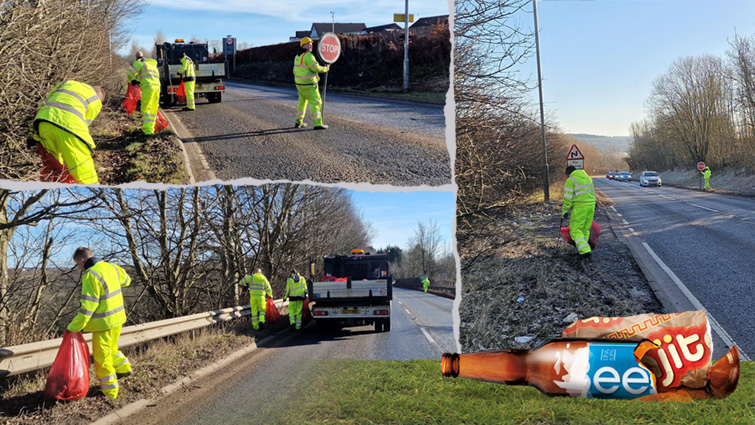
[250,134]
[706,240]
[256,389]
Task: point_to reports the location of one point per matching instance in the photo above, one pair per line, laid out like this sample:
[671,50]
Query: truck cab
[354,290]
[209,76]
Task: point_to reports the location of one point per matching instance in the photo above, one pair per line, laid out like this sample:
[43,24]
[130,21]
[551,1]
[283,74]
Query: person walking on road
[296,292]
[144,73]
[61,132]
[706,176]
[189,79]
[102,312]
[259,288]
[306,69]
[579,196]
[425,282]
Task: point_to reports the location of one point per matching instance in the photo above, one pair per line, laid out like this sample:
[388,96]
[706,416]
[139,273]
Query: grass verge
[414,392]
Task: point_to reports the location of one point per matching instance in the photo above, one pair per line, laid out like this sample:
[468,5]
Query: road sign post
[701,167]
[229,49]
[575,158]
[329,50]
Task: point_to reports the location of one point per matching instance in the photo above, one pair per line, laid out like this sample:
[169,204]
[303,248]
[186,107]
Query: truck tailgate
[359,289]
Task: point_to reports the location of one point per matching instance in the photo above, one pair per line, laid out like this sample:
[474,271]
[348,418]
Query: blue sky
[599,58]
[260,23]
[394,215]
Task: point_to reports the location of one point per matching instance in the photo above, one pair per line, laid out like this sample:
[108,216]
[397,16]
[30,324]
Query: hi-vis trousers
[309,94]
[108,360]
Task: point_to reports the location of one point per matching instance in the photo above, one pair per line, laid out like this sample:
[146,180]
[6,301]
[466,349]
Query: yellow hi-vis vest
[101,299]
[258,285]
[578,190]
[71,106]
[306,69]
[296,290]
[145,72]
[187,69]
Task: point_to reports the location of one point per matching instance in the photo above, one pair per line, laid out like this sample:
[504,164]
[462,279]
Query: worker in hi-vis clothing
[306,69]
[706,176]
[144,73]
[61,128]
[425,282]
[296,292]
[259,287]
[189,80]
[102,313]
[579,195]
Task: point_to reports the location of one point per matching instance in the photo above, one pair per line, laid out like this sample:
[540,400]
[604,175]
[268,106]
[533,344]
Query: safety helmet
[305,40]
[139,54]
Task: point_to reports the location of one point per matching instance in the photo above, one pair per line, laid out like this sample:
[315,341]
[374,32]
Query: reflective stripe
[68,108]
[77,96]
[108,378]
[305,77]
[106,314]
[102,282]
[149,115]
[317,102]
[582,186]
[110,386]
[122,362]
[112,294]
[582,192]
[569,189]
[88,298]
[117,273]
[86,312]
[301,66]
[568,195]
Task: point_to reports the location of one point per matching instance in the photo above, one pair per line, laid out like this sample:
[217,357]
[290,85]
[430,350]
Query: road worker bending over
[306,69]
[189,80]
[296,292]
[259,287]
[102,313]
[579,195]
[61,129]
[143,73]
[425,282]
[706,176]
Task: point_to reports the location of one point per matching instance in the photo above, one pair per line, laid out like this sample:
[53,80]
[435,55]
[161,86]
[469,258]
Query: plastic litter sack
[69,374]
[306,313]
[592,240]
[161,122]
[181,93]
[271,312]
[133,94]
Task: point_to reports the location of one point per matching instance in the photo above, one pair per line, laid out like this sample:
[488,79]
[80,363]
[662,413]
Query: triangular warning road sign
[574,153]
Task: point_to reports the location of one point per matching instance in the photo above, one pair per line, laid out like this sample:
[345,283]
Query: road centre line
[613,208]
[625,221]
[409,313]
[427,335]
[727,339]
[705,208]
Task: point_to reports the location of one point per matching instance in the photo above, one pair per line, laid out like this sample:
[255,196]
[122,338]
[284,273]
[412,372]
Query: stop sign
[701,166]
[329,47]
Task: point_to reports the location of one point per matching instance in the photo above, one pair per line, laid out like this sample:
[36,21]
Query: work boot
[585,260]
[292,327]
[321,127]
[262,326]
[302,125]
[123,375]
[186,109]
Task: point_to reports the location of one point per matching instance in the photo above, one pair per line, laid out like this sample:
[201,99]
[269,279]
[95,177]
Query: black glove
[134,83]
[565,216]
[30,142]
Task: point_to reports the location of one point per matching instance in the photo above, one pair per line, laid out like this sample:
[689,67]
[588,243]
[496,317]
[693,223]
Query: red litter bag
[69,374]
[161,122]
[592,240]
[306,313]
[181,93]
[133,94]
[271,312]
[52,170]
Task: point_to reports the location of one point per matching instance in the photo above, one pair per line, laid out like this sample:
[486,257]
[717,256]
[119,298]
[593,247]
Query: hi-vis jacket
[71,106]
[578,190]
[258,285]
[306,69]
[187,69]
[101,299]
[145,72]
[296,288]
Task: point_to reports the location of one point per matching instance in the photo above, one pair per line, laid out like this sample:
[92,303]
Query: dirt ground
[522,284]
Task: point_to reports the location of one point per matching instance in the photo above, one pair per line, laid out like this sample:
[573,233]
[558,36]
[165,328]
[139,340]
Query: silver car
[650,178]
[623,176]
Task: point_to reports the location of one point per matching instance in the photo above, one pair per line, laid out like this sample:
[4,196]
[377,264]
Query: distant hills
[604,143]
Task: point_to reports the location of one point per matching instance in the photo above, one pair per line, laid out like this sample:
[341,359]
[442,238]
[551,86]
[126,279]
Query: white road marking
[427,335]
[625,221]
[619,215]
[705,208]
[727,339]
[613,208]
[409,313]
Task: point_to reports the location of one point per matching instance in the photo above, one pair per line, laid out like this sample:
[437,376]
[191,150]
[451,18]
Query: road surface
[705,243]
[250,134]
[254,390]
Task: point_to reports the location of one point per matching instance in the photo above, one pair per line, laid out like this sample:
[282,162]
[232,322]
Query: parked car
[650,178]
[611,175]
[623,176]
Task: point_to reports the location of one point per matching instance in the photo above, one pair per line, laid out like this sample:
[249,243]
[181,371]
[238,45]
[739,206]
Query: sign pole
[406,46]
[329,49]
[546,174]
[324,90]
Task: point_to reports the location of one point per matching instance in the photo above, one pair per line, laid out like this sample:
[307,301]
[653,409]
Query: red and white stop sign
[701,166]
[329,47]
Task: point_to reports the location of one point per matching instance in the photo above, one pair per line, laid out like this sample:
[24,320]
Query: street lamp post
[406,46]
[546,183]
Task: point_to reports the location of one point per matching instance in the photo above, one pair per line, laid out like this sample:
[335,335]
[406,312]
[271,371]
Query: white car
[650,178]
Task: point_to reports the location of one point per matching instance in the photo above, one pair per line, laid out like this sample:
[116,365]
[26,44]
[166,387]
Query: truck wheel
[387,325]
[214,97]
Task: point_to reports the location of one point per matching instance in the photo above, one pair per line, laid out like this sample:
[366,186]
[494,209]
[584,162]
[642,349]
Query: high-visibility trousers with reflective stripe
[189,86]
[295,309]
[108,360]
[311,95]
[425,285]
[150,103]
[707,182]
[579,226]
[68,149]
[258,310]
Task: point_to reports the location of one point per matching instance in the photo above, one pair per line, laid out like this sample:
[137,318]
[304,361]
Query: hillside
[604,143]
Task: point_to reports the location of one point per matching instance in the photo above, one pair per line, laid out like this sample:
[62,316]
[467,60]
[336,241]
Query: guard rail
[39,355]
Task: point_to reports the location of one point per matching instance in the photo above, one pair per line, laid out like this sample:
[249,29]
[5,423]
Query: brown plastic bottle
[602,368]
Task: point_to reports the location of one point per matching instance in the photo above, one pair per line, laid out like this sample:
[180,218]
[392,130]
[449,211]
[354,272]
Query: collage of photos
[391,212]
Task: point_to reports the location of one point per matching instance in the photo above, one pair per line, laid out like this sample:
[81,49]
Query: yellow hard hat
[305,40]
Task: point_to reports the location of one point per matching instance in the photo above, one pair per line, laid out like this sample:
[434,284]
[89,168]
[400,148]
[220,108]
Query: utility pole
[546,177]
[406,46]
[333,17]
